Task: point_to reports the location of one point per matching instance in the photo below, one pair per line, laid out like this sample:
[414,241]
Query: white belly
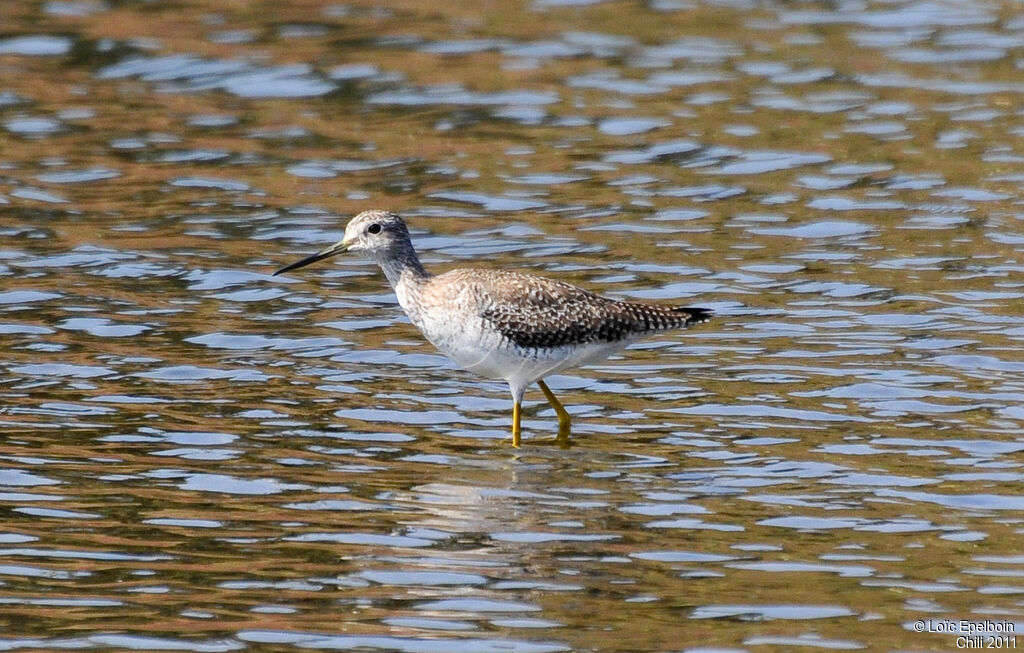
[473,346]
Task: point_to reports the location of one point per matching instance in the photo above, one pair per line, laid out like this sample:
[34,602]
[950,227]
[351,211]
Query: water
[198,456]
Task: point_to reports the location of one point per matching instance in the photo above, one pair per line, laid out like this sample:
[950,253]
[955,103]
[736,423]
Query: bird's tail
[653,317]
[695,315]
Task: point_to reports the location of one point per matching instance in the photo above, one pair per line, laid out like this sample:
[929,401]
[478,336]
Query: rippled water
[197,456]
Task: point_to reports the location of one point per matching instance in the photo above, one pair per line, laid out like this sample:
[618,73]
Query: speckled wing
[534,312]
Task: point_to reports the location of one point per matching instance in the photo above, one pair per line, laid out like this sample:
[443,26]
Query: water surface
[198,456]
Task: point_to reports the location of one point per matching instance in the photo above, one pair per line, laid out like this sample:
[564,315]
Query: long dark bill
[319,256]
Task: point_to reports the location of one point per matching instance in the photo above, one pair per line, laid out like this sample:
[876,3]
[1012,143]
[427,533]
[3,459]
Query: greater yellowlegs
[503,325]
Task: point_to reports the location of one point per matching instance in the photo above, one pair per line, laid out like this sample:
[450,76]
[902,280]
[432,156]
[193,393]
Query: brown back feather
[534,312]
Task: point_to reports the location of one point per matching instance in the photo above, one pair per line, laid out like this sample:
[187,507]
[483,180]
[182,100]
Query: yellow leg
[564,422]
[516,413]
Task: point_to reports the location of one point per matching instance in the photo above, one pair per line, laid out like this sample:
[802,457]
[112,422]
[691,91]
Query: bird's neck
[406,275]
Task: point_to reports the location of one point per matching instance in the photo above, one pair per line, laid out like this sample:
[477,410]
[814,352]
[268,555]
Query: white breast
[449,317]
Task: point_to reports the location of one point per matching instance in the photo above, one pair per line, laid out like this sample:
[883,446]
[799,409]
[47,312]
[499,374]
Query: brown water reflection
[197,456]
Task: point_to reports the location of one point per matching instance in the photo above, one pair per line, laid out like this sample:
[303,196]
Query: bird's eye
[373,228]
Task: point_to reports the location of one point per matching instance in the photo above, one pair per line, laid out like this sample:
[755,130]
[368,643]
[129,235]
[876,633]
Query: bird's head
[374,234]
